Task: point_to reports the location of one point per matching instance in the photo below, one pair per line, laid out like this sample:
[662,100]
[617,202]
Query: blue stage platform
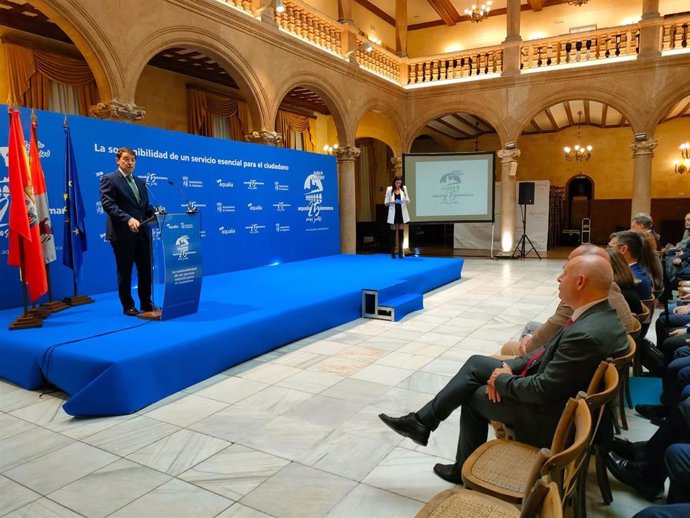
[112,364]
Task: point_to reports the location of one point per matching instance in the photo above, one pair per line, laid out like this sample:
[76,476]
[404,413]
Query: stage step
[390,303]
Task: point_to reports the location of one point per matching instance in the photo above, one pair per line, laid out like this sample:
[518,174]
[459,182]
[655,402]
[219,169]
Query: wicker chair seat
[464,503]
[502,467]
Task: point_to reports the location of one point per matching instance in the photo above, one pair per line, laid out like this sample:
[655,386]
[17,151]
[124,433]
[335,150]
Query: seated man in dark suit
[528,393]
[630,244]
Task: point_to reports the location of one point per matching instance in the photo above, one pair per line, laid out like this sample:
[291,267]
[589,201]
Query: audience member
[630,244]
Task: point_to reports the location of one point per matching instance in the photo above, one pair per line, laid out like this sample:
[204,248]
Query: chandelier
[684,166]
[478,13]
[578,153]
[578,3]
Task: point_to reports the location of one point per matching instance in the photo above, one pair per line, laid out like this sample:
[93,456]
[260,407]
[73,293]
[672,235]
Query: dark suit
[644,287]
[120,205]
[531,404]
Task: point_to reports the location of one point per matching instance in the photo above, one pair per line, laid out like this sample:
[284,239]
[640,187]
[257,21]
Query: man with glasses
[630,244]
[125,200]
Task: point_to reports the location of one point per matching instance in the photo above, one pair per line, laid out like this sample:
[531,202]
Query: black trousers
[127,254]
[468,389]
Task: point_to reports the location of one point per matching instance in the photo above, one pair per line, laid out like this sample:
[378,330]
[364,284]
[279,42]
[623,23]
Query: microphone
[191,209]
[158,209]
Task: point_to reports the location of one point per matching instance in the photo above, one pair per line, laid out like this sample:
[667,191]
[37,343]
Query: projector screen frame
[490,216]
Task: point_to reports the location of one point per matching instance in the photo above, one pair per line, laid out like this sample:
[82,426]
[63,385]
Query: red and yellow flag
[25,239]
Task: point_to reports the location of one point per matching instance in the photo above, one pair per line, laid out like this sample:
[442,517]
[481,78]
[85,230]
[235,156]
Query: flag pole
[26,320]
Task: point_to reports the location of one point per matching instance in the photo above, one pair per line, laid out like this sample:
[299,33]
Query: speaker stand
[524,239]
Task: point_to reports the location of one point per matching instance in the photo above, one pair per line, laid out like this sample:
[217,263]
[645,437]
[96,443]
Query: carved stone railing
[675,33]
[377,60]
[581,47]
[242,5]
[300,20]
[471,63]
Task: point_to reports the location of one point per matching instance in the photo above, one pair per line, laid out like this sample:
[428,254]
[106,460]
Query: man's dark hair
[121,151]
[632,240]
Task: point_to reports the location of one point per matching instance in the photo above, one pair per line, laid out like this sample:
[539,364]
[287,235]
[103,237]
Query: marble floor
[293,433]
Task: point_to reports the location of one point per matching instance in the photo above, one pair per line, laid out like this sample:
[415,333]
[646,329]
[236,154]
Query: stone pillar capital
[643,147]
[508,155]
[269,138]
[117,110]
[346,153]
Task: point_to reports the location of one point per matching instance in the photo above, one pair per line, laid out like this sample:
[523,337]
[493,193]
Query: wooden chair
[506,469]
[644,319]
[649,304]
[543,500]
[600,393]
[623,367]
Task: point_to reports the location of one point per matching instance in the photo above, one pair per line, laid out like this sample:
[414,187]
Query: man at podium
[125,201]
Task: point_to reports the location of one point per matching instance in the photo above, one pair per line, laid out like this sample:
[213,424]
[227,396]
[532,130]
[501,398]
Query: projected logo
[223,184]
[253,184]
[281,206]
[221,207]
[281,187]
[99,208]
[226,231]
[254,208]
[193,184]
[254,228]
[152,178]
[450,185]
[313,185]
[282,228]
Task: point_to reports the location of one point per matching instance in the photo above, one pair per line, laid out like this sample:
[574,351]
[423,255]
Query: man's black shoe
[628,450]
[632,474]
[408,426]
[131,312]
[449,472]
[149,307]
[655,412]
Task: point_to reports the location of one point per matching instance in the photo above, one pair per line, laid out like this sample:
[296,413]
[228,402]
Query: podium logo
[152,178]
[220,207]
[254,228]
[253,184]
[450,186]
[313,185]
[254,208]
[281,206]
[280,187]
[224,185]
[182,248]
[4,202]
[226,231]
[282,228]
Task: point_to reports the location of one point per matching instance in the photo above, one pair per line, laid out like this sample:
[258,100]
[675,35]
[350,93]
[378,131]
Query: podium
[176,242]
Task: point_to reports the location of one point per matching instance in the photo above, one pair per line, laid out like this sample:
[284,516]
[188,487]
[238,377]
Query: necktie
[538,355]
[133,186]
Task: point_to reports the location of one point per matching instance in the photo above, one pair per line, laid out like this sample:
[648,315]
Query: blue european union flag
[75,225]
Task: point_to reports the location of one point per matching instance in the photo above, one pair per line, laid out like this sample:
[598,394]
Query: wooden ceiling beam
[536,5]
[552,119]
[587,112]
[569,113]
[454,128]
[604,115]
[446,10]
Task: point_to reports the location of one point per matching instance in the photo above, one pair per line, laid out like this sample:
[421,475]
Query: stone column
[346,156]
[268,138]
[118,111]
[397,163]
[401,28]
[511,45]
[345,11]
[508,202]
[643,152]
[650,34]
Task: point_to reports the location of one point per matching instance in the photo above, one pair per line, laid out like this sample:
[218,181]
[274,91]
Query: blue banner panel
[258,204]
[181,238]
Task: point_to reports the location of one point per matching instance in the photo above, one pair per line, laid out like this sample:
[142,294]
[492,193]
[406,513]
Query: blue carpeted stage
[112,364]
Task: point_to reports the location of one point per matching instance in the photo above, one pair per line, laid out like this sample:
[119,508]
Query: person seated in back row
[630,244]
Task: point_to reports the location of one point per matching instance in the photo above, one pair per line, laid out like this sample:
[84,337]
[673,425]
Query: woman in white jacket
[397,201]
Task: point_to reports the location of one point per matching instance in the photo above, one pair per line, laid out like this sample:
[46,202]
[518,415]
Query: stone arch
[331,97]
[484,111]
[616,101]
[388,112]
[668,100]
[215,47]
[89,39]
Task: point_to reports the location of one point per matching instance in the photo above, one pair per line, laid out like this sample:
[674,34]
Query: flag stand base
[26,321]
[41,312]
[55,305]
[78,300]
[150,315]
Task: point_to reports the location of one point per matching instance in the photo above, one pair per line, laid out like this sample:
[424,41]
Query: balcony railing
[302,21]
[674,33]
[580,48]
[474,63]
[377,60]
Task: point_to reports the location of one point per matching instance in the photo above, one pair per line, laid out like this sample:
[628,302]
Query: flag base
[41,312]
[55,305]
[26,321]
[78,300]
[150,315]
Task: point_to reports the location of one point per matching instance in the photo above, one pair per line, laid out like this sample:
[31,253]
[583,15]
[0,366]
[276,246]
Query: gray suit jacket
[566,367]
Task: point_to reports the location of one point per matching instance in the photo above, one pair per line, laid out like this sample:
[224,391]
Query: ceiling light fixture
[478,13]
[578,153]
[279,6]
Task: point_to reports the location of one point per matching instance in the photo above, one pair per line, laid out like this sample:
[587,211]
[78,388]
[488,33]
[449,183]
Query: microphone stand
[191,209]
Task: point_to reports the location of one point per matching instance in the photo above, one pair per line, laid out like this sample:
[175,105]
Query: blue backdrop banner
[259,205]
